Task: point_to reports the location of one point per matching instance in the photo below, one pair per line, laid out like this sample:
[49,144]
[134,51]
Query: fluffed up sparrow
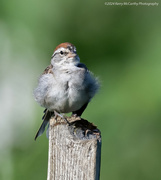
[66,85]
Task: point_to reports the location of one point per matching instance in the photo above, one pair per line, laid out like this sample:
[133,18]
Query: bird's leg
[59,115]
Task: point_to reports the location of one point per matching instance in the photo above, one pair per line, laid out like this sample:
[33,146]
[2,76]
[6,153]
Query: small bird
[65,86]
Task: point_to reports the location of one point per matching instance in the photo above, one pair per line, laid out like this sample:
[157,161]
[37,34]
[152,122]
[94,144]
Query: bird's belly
[65,100]
[77,98]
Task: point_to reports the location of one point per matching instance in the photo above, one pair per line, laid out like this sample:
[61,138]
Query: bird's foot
[75,116]
[61,116]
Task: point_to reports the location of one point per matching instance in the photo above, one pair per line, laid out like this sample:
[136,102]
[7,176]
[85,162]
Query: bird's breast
[67,95]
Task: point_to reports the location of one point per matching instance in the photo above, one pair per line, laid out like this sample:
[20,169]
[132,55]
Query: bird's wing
[48,70]
[81,110]
[81,65]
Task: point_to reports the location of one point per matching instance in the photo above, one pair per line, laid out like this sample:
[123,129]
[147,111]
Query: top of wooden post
[74,150]
[78,127]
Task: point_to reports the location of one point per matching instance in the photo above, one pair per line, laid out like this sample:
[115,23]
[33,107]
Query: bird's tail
[45,118]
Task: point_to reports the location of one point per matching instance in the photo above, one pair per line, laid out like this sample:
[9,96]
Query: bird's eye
[61,52]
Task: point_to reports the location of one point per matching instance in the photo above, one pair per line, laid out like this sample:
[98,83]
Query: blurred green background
[121,45]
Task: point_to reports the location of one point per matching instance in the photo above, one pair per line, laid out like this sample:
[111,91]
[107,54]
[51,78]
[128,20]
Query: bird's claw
[61,116]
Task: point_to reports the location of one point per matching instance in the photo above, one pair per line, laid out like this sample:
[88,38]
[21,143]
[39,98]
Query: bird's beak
[71,55]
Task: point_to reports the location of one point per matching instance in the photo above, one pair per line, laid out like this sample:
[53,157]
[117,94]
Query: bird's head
[65,54]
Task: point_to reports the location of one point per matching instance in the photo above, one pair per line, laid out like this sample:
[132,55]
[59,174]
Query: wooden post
[74,150]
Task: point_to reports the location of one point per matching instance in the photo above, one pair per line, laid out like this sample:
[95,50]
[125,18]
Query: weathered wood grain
[74,150]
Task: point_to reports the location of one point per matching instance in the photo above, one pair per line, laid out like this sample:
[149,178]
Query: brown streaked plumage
[48,70]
